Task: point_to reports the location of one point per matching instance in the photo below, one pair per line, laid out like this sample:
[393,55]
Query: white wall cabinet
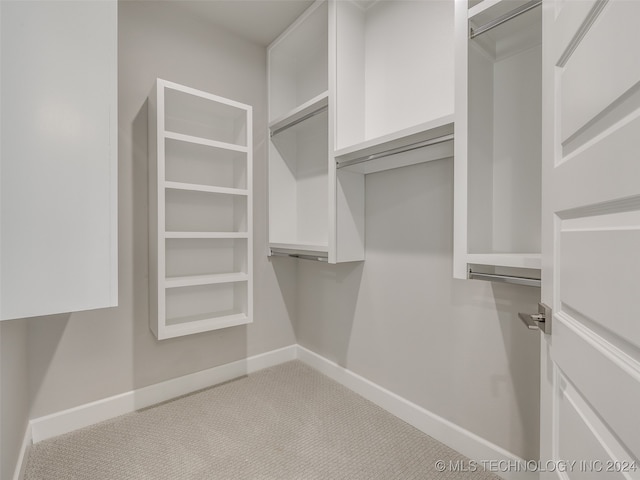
[58,219]
[200,206]
[354,88]
[498,141]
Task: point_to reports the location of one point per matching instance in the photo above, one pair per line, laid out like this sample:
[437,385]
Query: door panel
[617,150]
[588,87]
[569,17]
[595,265]
[577,420]
[591,234]
[603,374]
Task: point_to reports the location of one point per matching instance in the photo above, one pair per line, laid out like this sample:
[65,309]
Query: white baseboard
[469,444]
[81,416]
[22,456]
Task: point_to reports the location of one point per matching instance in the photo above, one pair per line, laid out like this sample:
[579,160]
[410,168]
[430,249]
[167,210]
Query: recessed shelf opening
[205,302]
[197,116]
[189,211]
[203,256]
[504,135]
[376,46]
[298,64]
[298,179]
[204,165]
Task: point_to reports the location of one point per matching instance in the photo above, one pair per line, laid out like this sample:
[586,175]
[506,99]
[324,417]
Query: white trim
[456,437]
[452,435]
[24,453]
[81,416]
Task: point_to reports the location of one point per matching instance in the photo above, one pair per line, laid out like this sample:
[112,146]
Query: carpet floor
[284,422]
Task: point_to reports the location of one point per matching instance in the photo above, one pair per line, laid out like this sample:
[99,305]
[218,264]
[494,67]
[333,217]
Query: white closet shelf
[205,188]
[490,9]
[203,323]
[513,260]
[206,235]
[300,113]
[204,141]
[193,280]
[300,248]
[435,138]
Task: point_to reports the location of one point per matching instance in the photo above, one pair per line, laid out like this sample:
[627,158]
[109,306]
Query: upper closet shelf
[205,188]
[433,138]
[511,260]
[204,141]
[299,114]
[299,250]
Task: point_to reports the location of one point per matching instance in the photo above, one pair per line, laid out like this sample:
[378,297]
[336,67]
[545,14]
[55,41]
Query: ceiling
[260,21]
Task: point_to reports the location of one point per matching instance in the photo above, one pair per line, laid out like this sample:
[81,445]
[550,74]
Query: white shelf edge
[206,95]
[418,133]
[513,260]
[194,280]
[482,7]
[316,103]
[299,248]
[203,325]
[204,188]
[204,141]
[206,235]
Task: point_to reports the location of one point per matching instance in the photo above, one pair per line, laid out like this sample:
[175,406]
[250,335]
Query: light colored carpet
[285,422]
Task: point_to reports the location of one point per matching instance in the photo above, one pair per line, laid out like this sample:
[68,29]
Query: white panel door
[58,183]
[591,238]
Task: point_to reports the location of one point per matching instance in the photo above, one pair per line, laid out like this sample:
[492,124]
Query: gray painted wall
[82,357]
[14,390]
[454,347]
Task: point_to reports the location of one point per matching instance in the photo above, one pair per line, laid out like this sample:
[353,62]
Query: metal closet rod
[300,120]
[316,258]
[474,32]
[394,151]
[492,277]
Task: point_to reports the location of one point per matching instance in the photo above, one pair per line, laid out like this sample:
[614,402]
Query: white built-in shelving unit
[498,141]
[299,173]
[200,203]
[355,87]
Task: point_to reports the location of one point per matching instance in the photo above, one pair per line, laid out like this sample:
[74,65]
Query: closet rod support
[474,32]
[526,281]
[394,151]
[299,120]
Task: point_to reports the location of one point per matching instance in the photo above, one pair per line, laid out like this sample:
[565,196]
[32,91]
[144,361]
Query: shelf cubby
[377,44]
[498,139]
[185,257]
[298,62]
[197,211]
[192,163]
[298,184]
[200,205]
[199,118]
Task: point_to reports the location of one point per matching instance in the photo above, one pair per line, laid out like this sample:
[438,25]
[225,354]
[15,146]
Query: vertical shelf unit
[498,141]
[355,87]
[299,167]
[200,207]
